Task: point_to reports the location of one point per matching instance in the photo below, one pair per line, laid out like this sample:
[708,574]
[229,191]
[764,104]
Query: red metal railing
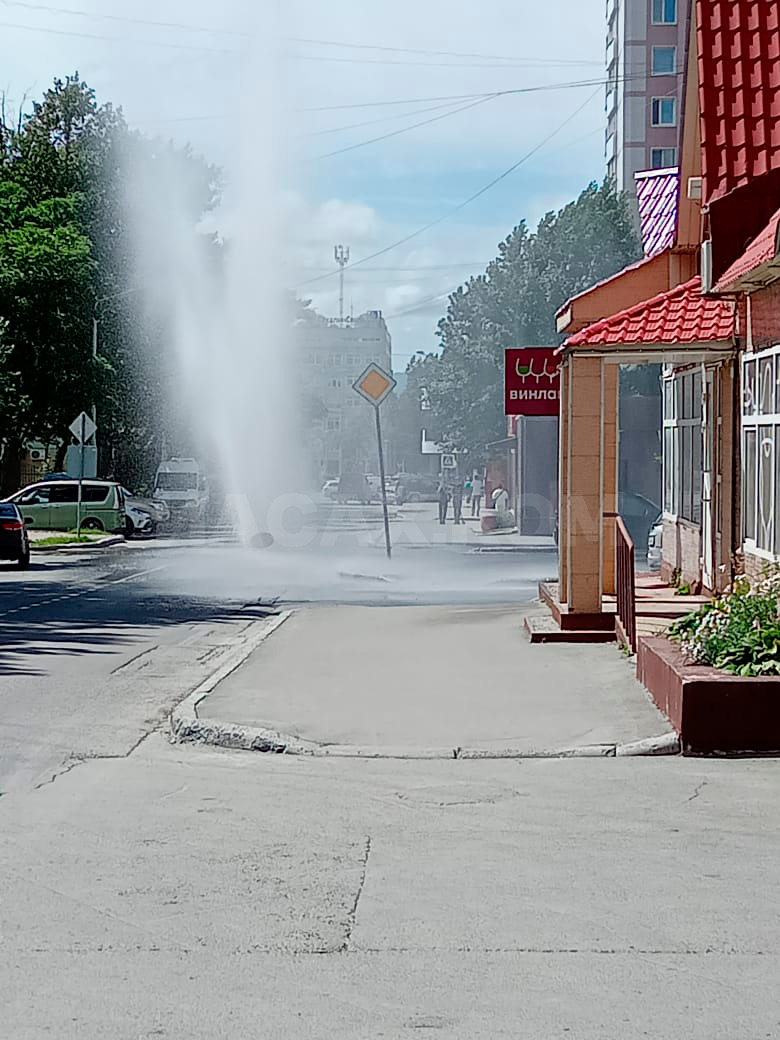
[625,584]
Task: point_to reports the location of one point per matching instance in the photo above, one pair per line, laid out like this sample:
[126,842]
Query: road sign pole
[81,474]
[382,481]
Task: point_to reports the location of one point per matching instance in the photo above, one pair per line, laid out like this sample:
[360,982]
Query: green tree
[514,304]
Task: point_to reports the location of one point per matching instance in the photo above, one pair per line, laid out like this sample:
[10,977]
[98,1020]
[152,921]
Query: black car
[14,540]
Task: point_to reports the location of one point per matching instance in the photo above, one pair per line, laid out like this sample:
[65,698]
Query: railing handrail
[625,579]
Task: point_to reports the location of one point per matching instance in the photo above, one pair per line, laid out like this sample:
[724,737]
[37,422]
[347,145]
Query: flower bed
[717,676]
[738,632]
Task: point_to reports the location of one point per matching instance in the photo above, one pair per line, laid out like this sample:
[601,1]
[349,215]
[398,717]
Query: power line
[382,119]
[434,53]
[126,19]
[119,39]
[467,202]
[416,64]
[402,130]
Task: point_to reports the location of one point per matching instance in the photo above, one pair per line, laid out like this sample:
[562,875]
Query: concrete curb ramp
[187,728]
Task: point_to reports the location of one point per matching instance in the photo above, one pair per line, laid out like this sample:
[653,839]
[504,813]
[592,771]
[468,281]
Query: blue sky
[189,84]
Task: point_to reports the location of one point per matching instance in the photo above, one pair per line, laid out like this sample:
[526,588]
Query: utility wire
[120,39]
[466,202]
[436,53]
[382,119]
[402,130]
[125,19]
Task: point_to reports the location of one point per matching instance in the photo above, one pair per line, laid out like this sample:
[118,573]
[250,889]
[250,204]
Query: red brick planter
[713,712]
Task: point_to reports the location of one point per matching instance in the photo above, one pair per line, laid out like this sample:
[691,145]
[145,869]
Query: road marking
[138,574]
[81,592]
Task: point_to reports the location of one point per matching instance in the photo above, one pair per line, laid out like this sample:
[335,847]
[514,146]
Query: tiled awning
[681,319]
[759,264]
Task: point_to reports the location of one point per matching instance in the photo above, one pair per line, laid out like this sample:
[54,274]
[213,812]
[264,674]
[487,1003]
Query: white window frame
[664,22]
[660,102]
[674,510]
[663,47]
[753,421]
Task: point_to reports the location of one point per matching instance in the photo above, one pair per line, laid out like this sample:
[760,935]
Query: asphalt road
[74,623]
[153,891]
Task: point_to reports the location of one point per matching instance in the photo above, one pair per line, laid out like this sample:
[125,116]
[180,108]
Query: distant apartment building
[647,43]
[341,423]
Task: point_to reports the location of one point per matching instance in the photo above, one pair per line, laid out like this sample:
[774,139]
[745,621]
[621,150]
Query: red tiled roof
[760,251]
[681,316]
[739,91]
[657,192]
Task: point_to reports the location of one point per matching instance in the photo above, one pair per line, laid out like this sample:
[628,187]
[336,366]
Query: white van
[180,485]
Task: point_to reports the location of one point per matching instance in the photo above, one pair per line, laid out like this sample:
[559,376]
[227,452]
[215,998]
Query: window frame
[663,47]
[763,427]
[663,166]
[656,106]
[663,6]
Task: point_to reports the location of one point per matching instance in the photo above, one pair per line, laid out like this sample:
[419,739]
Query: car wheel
[92,524]
[414,497]
[24,559]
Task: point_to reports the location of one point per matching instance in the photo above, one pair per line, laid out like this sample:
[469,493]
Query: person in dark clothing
[457,502]
[444,498]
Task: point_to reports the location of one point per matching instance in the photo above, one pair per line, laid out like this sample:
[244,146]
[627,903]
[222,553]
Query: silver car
[155,507]
[655,545]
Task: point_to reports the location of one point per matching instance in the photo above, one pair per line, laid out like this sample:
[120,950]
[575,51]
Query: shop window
[761,452]
[683,446]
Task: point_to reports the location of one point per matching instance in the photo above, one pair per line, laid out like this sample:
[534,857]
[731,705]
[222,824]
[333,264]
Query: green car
[53,505]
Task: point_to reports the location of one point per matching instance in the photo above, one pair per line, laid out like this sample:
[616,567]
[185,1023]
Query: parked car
[330,489]
[14,540]
[413,488]
[354,487]
[155,507]
[639,515]
[655,545]
[139,522]
[53,505]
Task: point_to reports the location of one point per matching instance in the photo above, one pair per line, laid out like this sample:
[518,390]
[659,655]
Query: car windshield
[176,482]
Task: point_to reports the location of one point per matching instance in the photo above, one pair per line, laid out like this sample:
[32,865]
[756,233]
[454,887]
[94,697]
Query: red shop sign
[532,381]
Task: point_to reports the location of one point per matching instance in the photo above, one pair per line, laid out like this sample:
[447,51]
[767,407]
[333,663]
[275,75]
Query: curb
[666,744]
[103,543]
[185,726]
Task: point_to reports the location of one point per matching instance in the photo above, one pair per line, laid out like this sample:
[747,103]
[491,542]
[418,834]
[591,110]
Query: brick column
[610,434]
[563,481]
[584,485]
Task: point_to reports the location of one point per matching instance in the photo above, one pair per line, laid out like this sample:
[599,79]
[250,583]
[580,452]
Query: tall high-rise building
[341,424]
[647,49]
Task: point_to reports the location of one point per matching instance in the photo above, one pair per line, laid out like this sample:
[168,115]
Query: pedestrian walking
[477,491]
[444,498]
[457,502]
[469,490]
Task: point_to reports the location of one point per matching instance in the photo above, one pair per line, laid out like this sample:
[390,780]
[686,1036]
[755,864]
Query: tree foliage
[514,304]
[68,255]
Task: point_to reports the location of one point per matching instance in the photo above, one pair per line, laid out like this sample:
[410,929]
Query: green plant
[738,632]
[683,590]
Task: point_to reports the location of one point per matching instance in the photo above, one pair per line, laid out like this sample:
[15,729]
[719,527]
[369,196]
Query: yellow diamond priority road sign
[374,384]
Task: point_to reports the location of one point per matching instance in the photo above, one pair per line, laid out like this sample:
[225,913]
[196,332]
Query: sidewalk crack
[344,948]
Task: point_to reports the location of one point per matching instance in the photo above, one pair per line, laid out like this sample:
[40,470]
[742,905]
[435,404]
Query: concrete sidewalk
[407,679]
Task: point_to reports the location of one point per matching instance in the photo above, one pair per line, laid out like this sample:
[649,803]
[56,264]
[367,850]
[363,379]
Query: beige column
[563,482]
[610,434]
[584,490]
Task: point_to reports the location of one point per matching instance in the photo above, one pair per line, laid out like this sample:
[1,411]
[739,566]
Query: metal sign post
[82,428]
[374,385]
